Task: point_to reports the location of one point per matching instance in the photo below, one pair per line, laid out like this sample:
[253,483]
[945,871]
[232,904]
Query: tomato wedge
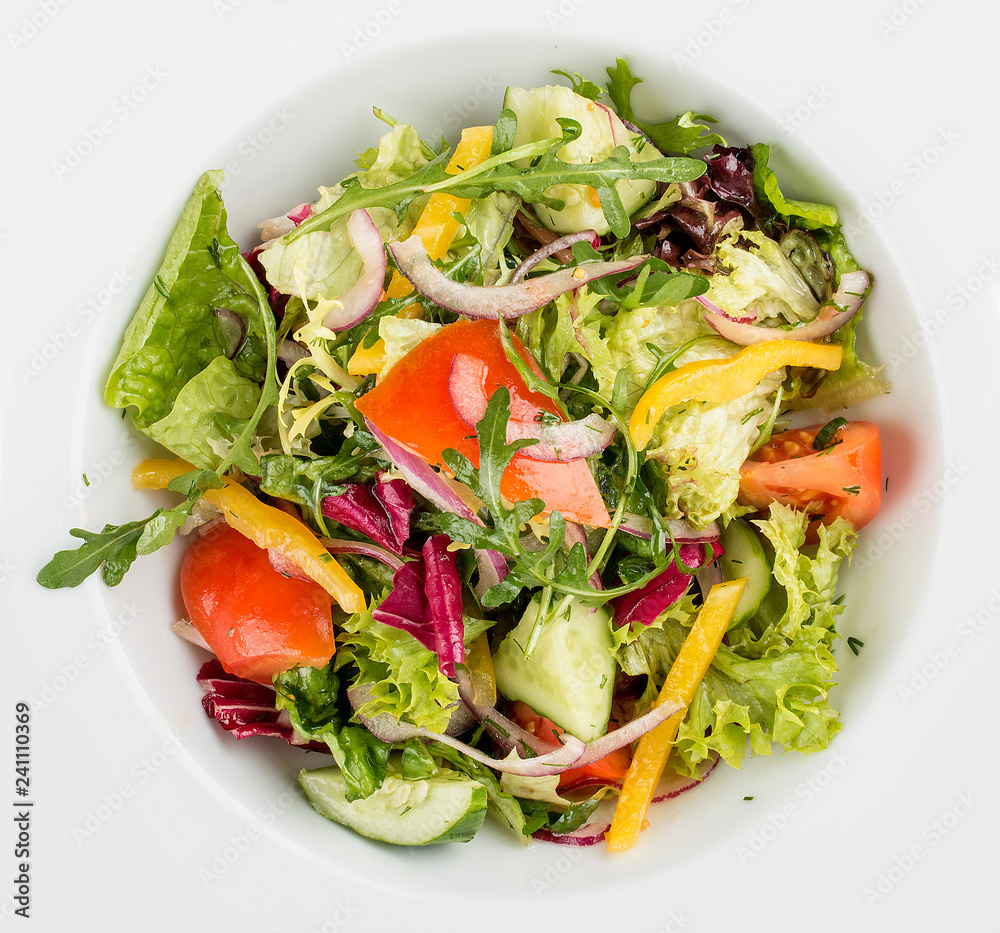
[844,479]
[412,405]
[257,621]
[612,767]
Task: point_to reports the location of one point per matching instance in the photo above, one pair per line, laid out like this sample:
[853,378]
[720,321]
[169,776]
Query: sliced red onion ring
[493,569]
[422,477]
[562,441]
[707,577]
[564,242]
[347,546]
[234,330]
[845,303]
[495,301]
[673,785]
[715,309]
[358,301]
[679,530]
[588,835]
[291,351]
[576,535]
[558,441]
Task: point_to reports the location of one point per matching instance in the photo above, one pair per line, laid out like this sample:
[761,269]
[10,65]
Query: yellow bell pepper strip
[654,747]
[720,381]
[436,228]
[266,526]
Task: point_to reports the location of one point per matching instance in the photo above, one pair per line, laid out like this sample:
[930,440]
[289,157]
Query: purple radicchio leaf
[380,511]
[426,602]
[646,604]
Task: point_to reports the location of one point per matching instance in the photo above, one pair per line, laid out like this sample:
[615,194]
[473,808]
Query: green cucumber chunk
[745,557]
[537,110]
[569,677]
[448,807]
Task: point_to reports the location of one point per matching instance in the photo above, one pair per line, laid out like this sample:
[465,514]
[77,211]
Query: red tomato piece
[413,406]
[844,479]
[257,621]
[612,767]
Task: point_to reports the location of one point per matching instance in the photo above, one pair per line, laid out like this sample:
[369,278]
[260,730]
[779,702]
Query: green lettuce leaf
[760,280]
[404,675]
[770,684]
[806,214]
[199,426]
[175,333]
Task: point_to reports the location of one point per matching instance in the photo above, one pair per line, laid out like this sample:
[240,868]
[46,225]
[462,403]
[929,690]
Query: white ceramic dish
[300,134]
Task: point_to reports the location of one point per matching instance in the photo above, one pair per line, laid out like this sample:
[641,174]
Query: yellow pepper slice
[686,673]
[437,228]
[266,526]
[720,381]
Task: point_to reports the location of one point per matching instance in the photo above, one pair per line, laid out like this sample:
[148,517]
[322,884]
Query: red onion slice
[845,303]
[588,835]
[348,546]
[557,442]
[422,477]
[715,309]
[679,530]
[566,440]
[495,301]
[234,330]
[358,301]
[291,351]
[564,242]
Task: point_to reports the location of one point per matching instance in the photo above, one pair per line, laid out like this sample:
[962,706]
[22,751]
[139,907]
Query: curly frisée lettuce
[770,685]
[513,470]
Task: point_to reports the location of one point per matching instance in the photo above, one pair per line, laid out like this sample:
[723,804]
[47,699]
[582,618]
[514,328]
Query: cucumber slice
[745,557]
[537,110]
[449,807]
[569,677]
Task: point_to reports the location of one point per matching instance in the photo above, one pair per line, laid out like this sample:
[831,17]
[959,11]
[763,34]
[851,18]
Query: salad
[507,472]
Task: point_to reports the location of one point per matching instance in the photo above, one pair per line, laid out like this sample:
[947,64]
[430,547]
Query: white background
[113,108]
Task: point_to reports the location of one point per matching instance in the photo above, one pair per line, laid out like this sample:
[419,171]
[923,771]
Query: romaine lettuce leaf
[200,424]
[175,333]
[806,214]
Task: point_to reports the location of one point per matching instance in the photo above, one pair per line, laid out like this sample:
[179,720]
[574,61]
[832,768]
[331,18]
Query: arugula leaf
[654,284]
[530,183]
[581,85]
[311,696]
[682,134]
